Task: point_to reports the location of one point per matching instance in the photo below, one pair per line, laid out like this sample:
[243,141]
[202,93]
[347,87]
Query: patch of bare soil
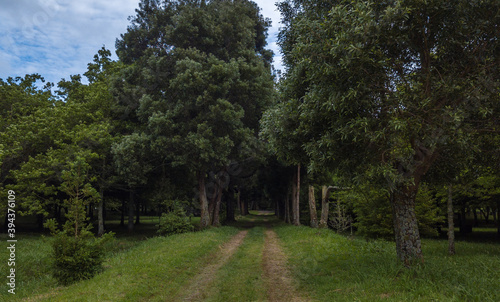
[197,289]
[279,282]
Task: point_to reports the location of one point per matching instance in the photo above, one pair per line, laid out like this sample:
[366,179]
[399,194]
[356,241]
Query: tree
[388,85]
[56,130]
[205,77]
[20,102]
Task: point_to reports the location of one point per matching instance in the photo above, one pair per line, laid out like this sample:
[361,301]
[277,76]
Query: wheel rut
[278,278]
[198,287]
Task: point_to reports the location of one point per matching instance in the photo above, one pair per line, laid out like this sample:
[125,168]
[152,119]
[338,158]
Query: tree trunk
[131,206]
[122,218]
[451,225]
[408,246]
[100,215]
[240,203]
[296,198]
[325,207]
[463,220]
[230,207]
[137,213]
[287,208]
[205,214]
[476,221]
[245,207]
[498,217]
[486,214]
[215,215]
[312,208]
[276,208]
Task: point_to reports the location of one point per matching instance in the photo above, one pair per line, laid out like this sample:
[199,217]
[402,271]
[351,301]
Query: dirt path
[276,273]
[197,289]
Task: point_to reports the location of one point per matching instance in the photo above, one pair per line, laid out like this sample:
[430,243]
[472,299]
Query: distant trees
[382,88]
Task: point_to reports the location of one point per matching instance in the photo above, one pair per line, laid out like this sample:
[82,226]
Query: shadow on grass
[265,219]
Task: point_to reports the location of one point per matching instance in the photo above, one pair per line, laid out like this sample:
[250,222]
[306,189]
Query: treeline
[388,112]
[172,124]
[397,100]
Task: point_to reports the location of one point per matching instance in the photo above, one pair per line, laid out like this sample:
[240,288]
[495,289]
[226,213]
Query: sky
[58,38]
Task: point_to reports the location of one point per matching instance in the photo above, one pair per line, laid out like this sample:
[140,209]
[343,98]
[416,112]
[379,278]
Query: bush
[374,214]
[175,222]
[77,258]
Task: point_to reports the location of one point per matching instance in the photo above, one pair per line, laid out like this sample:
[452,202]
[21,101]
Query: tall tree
[205,78]
[389,84]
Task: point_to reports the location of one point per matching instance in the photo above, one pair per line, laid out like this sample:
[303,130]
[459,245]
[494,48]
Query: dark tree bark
[230,207]
[296,198]
[131,206]
[205,214]
[312,208]
[240,203]
[287,207]
[100,215]
[122,218]
[476,221]
[451,225]
[498,217]
[137,212]
[245,207]
[408,246]
[216,212]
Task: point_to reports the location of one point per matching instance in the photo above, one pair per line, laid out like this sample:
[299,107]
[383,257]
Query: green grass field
[325,267]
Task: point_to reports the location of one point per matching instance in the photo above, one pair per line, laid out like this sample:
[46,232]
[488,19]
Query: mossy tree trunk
[100,214]
[323,223]
[451,225]
[205,214]
[407,235]
[131,207]
[312,208]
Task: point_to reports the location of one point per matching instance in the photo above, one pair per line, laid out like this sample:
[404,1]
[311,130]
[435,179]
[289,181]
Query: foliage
[77,258]
[383,101]
[201,78]
[373,213]
[174,222]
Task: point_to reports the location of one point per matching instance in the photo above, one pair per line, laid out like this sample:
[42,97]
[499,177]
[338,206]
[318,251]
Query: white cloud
[58,38]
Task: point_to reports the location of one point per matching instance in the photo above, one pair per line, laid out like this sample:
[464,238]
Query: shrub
[77,258]
[175,222]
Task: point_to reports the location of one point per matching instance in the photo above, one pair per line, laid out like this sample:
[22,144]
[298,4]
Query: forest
[382,134]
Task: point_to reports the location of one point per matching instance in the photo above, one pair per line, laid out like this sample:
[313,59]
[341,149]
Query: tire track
[197,288]
[279,283]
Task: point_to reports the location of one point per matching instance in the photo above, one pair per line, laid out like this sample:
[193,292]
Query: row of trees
[180,108]
[390,94]
[377,99]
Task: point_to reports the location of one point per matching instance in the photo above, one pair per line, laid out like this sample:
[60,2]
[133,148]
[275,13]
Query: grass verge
[331,267]
[152,270]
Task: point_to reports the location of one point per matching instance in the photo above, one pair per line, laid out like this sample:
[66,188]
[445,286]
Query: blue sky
[58,38]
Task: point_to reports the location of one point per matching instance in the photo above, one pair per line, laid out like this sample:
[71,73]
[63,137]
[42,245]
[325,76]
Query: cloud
[58,38]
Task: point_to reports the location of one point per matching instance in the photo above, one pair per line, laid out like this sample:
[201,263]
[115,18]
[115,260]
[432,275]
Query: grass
[153,270]
[32,265]
[332,267]
[33,253]
[241,278]
[326,266]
